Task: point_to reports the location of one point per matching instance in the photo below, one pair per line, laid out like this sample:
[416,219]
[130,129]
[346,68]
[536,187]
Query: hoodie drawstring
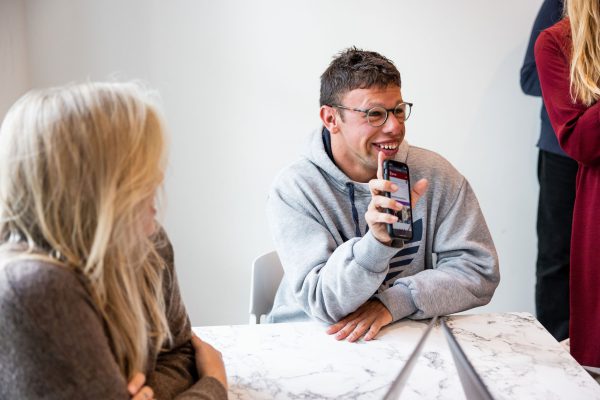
[350,187]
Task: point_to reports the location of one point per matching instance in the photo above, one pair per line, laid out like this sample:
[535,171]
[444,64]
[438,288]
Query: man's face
[356,143]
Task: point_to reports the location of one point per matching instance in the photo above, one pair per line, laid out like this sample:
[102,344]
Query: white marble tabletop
[516,357]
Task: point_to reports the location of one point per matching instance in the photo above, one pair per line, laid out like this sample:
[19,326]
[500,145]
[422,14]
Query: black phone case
[387,164]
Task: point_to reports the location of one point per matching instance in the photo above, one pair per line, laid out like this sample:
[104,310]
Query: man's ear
[329,118]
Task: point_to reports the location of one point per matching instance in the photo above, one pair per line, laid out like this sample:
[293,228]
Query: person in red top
[568,61]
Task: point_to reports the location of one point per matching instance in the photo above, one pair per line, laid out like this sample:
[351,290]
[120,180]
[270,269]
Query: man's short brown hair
[356,69]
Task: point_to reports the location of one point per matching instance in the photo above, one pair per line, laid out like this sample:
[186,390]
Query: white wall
[14,73]
[240,82]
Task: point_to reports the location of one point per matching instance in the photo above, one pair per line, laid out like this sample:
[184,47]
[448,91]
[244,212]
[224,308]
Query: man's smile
[389,148]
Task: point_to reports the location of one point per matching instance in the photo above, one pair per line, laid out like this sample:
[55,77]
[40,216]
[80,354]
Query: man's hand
[369,318]
[137,390]
[209,360]
[376,216]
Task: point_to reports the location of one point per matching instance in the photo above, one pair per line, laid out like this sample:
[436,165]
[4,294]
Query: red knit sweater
[578,130]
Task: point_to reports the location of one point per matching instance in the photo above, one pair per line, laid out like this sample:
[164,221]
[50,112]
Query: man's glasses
[377,116]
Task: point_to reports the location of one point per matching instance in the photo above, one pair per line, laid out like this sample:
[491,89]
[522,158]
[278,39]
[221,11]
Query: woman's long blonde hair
[79,166]
[584,16]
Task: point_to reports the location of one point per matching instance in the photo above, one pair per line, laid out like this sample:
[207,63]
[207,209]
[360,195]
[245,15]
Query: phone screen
[398,174]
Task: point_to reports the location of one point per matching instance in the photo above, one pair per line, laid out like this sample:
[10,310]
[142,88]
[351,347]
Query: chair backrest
[266,276]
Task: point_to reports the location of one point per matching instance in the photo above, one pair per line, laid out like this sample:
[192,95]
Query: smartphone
[397,173]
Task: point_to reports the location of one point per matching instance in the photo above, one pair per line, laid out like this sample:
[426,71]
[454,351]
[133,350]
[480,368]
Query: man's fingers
[374,216]
[380,185]
[335,328]
[367,320]
[346,330]
[382,202]
[136,383]
[345,325]
[355,328]
[359,331]
[418,190]
[380,158]
[420,187]
[373,331]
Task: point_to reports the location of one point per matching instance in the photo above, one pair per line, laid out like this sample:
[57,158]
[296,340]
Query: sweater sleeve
[328,280]
[466,273]
[175,374]
[576,125]
[53,344]
[52,340]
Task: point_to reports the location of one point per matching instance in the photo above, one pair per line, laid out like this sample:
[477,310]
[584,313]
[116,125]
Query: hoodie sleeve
[466,273]
[328,280]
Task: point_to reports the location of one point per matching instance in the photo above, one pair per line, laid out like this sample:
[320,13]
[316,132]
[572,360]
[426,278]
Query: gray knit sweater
[333,264]
[53,343]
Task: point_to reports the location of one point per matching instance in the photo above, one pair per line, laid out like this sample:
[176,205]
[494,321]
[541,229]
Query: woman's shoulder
[55,335]
[37,285]
[562,27]
[559,33]
[25,273]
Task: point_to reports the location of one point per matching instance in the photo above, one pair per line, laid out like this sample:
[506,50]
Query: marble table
[516,357]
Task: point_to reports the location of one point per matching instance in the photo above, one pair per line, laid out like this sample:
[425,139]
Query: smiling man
[327,213]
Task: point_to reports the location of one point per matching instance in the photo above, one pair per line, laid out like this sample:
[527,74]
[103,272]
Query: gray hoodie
[333,264]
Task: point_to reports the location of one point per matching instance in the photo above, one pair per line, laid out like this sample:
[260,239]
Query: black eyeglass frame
[387,111]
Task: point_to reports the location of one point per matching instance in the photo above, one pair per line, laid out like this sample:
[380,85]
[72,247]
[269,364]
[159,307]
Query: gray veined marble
[516,357]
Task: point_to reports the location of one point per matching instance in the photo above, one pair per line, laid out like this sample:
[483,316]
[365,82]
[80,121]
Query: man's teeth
[389,146]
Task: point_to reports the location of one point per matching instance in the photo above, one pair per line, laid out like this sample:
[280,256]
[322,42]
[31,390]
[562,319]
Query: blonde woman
[89,300]
[568,61]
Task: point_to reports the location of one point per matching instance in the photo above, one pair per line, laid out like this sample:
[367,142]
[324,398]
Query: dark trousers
[556,175]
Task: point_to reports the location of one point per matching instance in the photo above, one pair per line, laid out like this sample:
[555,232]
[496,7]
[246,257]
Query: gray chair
[266,276]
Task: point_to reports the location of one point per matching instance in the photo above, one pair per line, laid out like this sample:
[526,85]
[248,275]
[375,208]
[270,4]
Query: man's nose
[393,124]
